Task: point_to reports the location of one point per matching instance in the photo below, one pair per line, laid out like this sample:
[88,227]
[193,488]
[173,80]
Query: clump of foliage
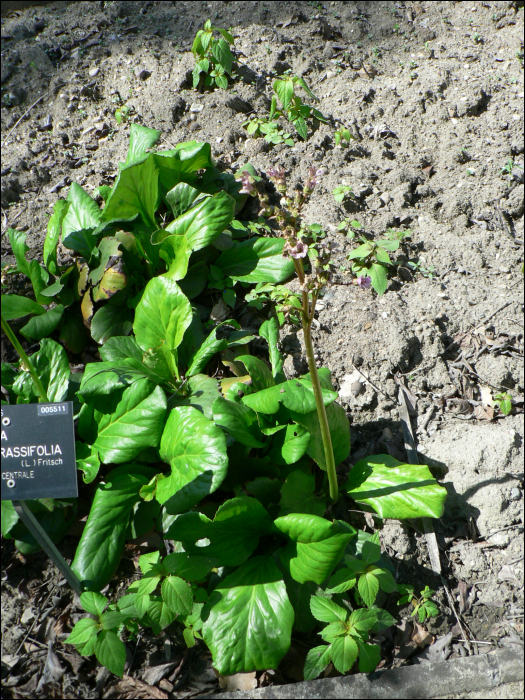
[182,430]
[341,135]
[213,57]
[424,606]
[291,107]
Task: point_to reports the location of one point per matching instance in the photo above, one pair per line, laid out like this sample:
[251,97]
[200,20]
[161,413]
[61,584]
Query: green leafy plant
[291,105]
[122,114]
[213,57]
[416,266]
[350,226]
[287,304]
[424,607]
[341,192]
[271,131]
[181,430]
[504,401]
[341,135]
[372,259]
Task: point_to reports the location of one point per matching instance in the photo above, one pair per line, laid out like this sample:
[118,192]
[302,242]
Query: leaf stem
[307,318]
[27,362]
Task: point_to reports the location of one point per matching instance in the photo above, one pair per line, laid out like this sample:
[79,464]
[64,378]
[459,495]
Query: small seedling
[424,607]
[271,131]
[398,235]
[507,169]
[504,401]
[371,259]
[292,107]
[416,266]
[287,304]
[213,57]
[122,114]
[350,226]
[343,134]
[341,192]
[477,38]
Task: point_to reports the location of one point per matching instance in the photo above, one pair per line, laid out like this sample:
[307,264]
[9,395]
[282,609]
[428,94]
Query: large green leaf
[239,421]
[195,448]
[111,320]
[295,394]
[205,221]
[136,189]
[396,490]
[305,528]
[317,660]
[111,652]
[136,423]
[120,348]
[101,378]
[182,197]
[201,392]
[140,139]
[339,432]
[83,212]
[54,227]
[14,306]
[314,561]
[17,240]
[289,445]
[175,252]
[259,373]
[285,91]
[344,653]
[256,260]
[223,55]
[297,495]
[182,163]
[209,347]
[249,619]
[43,325]
[82,242]
[270,331]
[52,366]
[102,542]
[161,318]
[233,534]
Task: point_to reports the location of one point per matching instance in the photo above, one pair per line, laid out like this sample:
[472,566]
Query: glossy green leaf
[177,594]
[270,331]
[284,90]
[396,490]
[295,394]
[82,242]
[111,652]
[368,587]
[137,423]
[188,567]
[85,629]
[369,656]
[182,197]
[325,610]
[344,653]
[316,561]
[87,461]
[120,348]
[9,517]
[83,212]
[379,277]
[317,660]
[17,240]
[94,603]
[333,630]
[233,534]
[107,248]
[196,279]
[136,189]
[339,432]
[14,306]
[101,378]
[289,445]
[209,347]
[249,619]
[52,366]
[181,164]
[201,392]
[260,374]
[43,325]
[297,495]
[161,318]
[223,55]
[109,321]
[175,252]
[305,528]
[195,448]
[256,260]
[140,139]
[205,221]
[239,421]
[54,228]
[102,542]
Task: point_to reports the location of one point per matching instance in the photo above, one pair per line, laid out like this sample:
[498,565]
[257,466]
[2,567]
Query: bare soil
[433,92]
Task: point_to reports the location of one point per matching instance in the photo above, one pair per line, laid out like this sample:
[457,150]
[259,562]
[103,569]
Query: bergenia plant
[302,242]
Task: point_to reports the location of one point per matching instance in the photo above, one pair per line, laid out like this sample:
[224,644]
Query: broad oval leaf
[295,394]
[305,528]
[111,652]
[239,421]
[140,139]
[316,561]
[83,212]
[249,619]
[195,448]
[136,423]
[257,260]
[325,610]
[204,222]
[102,542]
[14,306]
[396,490]
[233,534]
[317,660]
[177,594]
[161,318]
[136,189]
[101,378]
[53,234]
[111,320]
[344,653]
[43,325]
[201,392]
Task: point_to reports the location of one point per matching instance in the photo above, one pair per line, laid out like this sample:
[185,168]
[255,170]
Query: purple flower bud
[247,183]
[363,282]
[314,175]
[299,250]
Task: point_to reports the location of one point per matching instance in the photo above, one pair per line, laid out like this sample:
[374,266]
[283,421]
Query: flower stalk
[26,361]
[302,241]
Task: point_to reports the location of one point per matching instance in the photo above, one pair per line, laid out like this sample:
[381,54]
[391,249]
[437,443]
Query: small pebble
[93,72]
[195,108]
[515,495]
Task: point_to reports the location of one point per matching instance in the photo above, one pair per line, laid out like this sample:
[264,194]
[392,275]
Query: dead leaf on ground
[507,573]
[239,681]
[53,670]
[154,674]
[421,637]
[464,604]
[483,413]
[130,688]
